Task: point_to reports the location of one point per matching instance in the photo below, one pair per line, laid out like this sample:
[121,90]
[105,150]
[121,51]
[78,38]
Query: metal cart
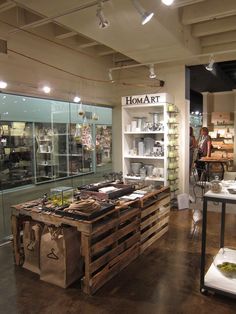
[213,280]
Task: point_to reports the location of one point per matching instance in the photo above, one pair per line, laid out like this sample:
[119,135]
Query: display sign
[146,99]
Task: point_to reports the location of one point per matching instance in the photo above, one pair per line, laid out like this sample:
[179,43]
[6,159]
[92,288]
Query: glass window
[46,144]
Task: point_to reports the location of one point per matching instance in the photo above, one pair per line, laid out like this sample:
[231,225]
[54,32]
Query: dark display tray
[105,207]
[232,191]
[92,187]
[122,190]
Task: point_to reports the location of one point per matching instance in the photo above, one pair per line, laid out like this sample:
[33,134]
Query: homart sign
[146,99]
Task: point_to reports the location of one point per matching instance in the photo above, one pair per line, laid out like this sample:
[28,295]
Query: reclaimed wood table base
[110,242]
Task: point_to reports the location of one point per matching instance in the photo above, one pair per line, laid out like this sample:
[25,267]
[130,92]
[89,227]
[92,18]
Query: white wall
[223,102]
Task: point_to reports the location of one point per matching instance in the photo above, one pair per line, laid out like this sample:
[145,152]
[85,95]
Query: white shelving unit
[145,120]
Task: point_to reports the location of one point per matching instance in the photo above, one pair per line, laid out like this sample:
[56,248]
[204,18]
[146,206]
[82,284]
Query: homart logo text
[130,100]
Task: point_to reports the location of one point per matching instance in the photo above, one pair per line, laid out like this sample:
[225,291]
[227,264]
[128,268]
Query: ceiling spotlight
[152,73]
[103,22]
[110,75]
[46,89]
[3,84]
[210,65]
[146,16]
[167,2]
[77,99]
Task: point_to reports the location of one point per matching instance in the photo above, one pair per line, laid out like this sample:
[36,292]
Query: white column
[207,108]
[116,139]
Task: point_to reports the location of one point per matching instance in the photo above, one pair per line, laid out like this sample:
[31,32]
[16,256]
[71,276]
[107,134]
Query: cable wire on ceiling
[80,76]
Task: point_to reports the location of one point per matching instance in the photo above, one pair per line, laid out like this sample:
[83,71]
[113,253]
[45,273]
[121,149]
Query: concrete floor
[164,279]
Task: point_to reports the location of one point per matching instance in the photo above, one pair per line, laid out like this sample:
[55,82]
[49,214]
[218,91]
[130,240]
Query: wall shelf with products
[173,154]
[16,147]
[147,138]
[222,134]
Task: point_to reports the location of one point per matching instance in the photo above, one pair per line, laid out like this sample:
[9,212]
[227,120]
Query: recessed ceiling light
[167,2]
[46,89]
[76,99]
[3,84]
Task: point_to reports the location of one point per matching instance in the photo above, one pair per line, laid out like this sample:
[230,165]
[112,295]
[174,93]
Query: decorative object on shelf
[225,262]
[216,186]
[135,167]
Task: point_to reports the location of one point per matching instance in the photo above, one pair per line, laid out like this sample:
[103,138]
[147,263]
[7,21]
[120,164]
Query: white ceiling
[186,29]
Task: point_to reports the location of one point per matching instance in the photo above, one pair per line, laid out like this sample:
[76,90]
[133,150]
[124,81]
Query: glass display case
[46,152]
[16,154]
[81,147]
[103,144]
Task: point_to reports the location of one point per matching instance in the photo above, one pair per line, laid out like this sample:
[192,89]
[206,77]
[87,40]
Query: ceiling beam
[224,48]
[7,6]
[35,24]
[214,26]
[218,39]
[106,53]
[183,3]
[66,35]
[89,44]
[47,20]
[207,10]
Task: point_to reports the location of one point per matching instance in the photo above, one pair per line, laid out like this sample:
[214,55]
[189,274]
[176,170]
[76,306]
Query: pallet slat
[114,252]
[107,273]
[95,248]
[146,244]
[156,227]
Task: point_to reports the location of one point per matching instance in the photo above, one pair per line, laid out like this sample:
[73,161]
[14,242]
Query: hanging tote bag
[31,241]
[61,262]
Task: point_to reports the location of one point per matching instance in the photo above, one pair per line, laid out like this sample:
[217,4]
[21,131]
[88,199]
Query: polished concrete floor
[164,279]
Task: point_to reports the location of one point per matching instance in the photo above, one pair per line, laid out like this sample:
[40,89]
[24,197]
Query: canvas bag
[31,240]
[60,258]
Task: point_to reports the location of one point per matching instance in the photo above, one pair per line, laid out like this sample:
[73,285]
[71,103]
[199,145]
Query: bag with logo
[61,262]
[31,240]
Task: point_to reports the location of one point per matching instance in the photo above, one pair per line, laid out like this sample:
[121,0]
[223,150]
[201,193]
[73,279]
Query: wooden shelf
[144,157]
[146,179]
[145,132]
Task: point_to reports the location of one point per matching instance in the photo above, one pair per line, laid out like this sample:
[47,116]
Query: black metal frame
[223,201]
[208,166]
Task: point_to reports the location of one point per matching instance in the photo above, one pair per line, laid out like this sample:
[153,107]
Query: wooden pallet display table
[109,242]
[155,211]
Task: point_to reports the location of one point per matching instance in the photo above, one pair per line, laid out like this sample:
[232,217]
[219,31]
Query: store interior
[90,91]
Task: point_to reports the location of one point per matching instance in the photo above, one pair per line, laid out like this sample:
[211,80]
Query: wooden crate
[154,221]
[111,246]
